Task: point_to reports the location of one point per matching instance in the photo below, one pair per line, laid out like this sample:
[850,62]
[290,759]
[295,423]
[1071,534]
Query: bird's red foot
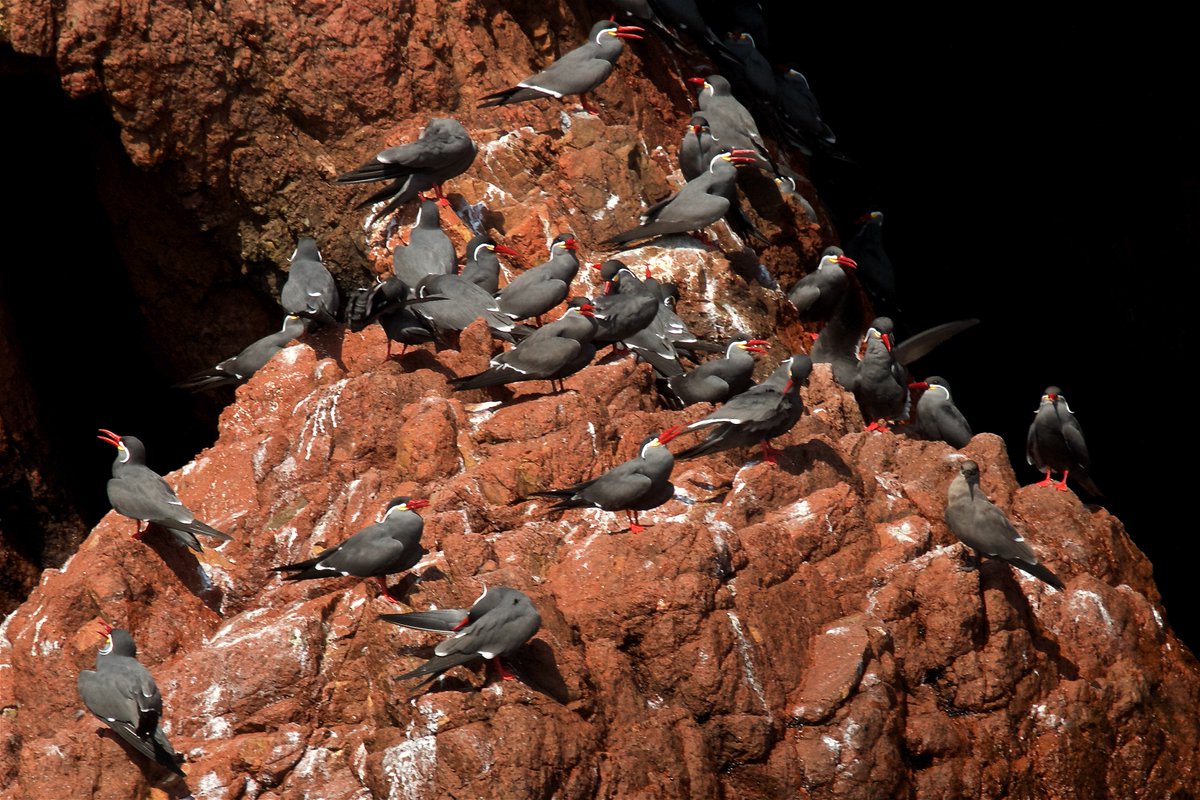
[139,531]
[505,674]
[588,107]
[814,336]
[879,425]
[383,590]
[1046,480]
[635,528]
[769,453]
[1062,485]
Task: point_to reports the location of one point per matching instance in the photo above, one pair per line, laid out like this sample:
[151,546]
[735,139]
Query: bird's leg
[879,425]
[505,674]
[588,107]
[1062,485]
[634,527]
[383,588]
[441,198]
[1045,481]
[138,532]
[389,350]
[769,452]
[703,238]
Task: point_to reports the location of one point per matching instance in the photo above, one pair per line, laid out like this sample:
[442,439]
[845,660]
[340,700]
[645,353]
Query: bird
[387,302]
[443,151]
[239,368]
[875,270]
[937,416]
[791,196]
[650,343]
[719,379]
[754,68]
[140,493]
[1055,443]
[480,265]
[881,384]
[730,121]
[818,293]
[697,148]
[552,352]
[577,72]
[123,695]
[498,623]
[757,415]
[801,113]
[429,250]
[639,484]
[700,202]
[985,529]
[620,315]
[389,546]
[460,303]
[676,330]
[539,289]
[310,291]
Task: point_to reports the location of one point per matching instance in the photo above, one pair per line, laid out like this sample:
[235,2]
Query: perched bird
[577,72]
[452,303]
[239,368]
[651,343]
[387,303]
[937,416]
[639,484]
[552,352]
[123,695]
[718,380]
[697,148]
[985,529]
[443,151]
[757,415]
[818,293]
[138,492]
[677,331]
[539,289]
[730,121]
[800,112]
[1055,443]
[620,315]
[700,202]
[754,68]
[881,385]
[498,623]
[389,546]
[790,195]
[480,265]
[429,250]
[875,270]
[309,291]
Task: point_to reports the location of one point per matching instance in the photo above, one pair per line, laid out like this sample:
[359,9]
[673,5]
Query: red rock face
[805,630]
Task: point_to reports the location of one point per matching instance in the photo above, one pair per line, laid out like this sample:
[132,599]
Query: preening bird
[1055,443]
[239,368]
[140,493]
[497,624]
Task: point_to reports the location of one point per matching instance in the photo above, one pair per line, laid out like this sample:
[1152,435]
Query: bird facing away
[140,493]
[578,72]
[123,695]
[1055,443]
[937,417]
[985,529]
[639,484]
[309,291]
[443,151]
[429,250]
[389,546]
[498,623]
[239,368]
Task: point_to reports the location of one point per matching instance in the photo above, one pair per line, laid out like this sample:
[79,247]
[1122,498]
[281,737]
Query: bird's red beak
[416,502]
[629,32]
[669,434]
[571,244]
[588,310]
[757,345]
[105,629]
[922,385]
[507,251]
[887,341]
[846,261]
[697,81]
[112,439]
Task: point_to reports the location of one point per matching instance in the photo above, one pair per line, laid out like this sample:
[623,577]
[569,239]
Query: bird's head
[565,241]
[753,345]
[405,504]
[127,446]
[661,439]
[620,31]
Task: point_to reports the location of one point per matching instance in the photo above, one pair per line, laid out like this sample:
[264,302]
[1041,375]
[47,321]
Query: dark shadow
[420,358]
[154,773]
[326,341]
[183,562]
[800,458]
[536,667]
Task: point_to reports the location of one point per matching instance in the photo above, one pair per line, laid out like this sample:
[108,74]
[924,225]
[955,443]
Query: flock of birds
[429,298]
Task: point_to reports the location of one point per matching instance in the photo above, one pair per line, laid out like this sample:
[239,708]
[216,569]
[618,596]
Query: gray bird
[480,264]
[729,120]
[577,72]
[719,379]
[497,624]
[620,315]
[429,250]
[310,291]
[881,385]
[552,352]
[698,147]
[123,695]
[985,529]
[791,195]
[800,112]
[387,303]
[539,289]
[1055,443]
[461,303]
[651,343]
[700,202]
[639,484]
[443,151]
[140,493]
[875,270]
[757,415]
[754,68]
[389,546]
[239,368]
[676,330]
[818,293]
[937,416]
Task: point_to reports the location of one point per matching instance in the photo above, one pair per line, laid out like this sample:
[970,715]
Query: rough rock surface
[806,630]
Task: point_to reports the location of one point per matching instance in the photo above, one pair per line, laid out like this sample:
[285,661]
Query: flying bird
[389,546]
[497,624]
[239,368]
[123,695]
[443,151]
[577,72]
[1055,443]
[140,493]
[985,529]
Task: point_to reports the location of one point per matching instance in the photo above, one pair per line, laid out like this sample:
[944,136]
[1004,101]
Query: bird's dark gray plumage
[577,72]
[621,315]
[239,368]
[497,624]
[719,379]
[818,293]
[123,695]
[937,416]
[140,493]
[387,303]
[310,291]
[1055,443]
[461,303]
[698,147]
[730,121]
[539,289]
[429,250]
[985,529]
[480,264]
[875,270]
[881,386]
[389,546]
[800,112]
[443,151]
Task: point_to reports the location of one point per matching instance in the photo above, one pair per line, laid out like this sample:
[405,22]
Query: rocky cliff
[804,630]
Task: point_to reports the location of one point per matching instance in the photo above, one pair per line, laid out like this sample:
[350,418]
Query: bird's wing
[1073,435]
[497,632]
[757,404]
[620,486]
[142,494]
[438,620]
[915,347]
[577,71]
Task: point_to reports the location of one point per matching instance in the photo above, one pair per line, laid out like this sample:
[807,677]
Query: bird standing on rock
[309,291]
[985,529]
[123,694]
[937,416]
[389,546]
[498,623]
[719,379]
[818,293]
[429,250]
[539,289]
[140,493]
[1055,443]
